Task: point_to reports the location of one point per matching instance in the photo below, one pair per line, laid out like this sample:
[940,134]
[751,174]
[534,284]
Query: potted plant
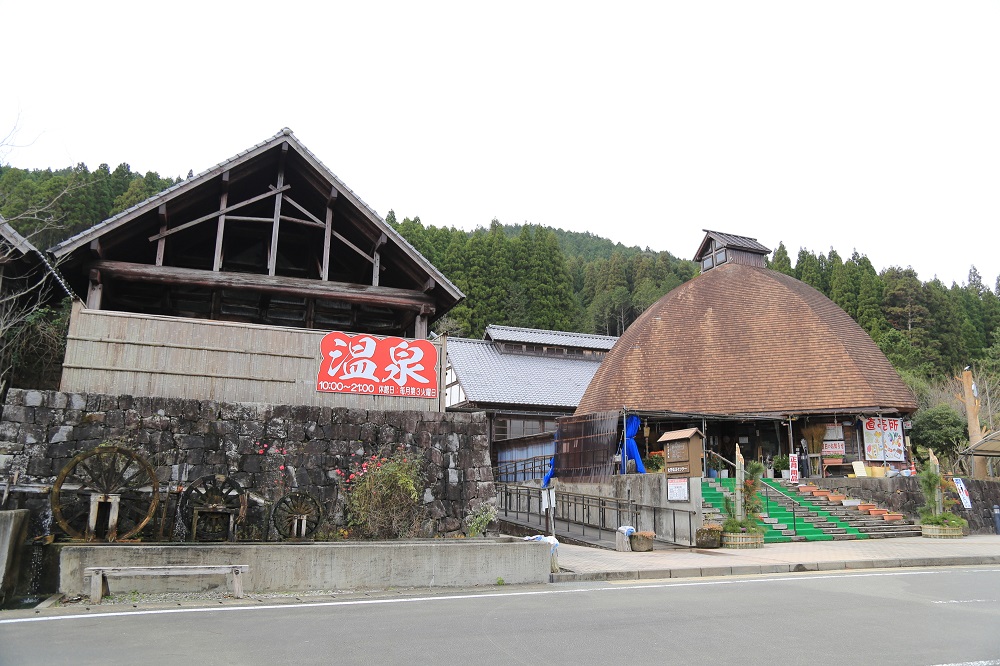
[744,531]
[714,465]
[741,533]
[641,542]
[708,535]
[935,521]
[780,464]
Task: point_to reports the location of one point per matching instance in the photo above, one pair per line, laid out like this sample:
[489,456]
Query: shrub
[383,495]
[480,519]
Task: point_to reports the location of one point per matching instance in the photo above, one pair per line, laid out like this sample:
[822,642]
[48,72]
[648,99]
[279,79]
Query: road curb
[755,569]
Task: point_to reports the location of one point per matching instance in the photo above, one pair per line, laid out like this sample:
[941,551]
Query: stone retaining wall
[304,446]
[902,494]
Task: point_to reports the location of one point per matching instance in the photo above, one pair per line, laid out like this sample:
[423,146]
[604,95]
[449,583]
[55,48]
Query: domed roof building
[740,346]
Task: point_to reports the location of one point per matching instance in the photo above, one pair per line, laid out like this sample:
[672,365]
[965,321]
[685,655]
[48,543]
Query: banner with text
[373,365]
[883,438]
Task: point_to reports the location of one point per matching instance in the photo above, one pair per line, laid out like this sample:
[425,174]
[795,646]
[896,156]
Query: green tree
[940,428]
[780,261]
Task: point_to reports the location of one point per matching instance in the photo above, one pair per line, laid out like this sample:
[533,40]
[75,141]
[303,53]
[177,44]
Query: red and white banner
[372,365]
[793,467]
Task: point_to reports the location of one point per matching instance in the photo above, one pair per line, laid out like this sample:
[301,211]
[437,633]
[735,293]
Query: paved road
[898,616]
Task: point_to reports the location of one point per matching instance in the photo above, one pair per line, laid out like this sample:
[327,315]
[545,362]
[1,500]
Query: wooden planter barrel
[941,532]
[706,538]
[742,540]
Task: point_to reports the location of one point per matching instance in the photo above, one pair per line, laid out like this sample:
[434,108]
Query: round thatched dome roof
[746,340]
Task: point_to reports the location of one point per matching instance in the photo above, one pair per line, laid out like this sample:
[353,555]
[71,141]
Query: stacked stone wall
[902,494]
[268,449]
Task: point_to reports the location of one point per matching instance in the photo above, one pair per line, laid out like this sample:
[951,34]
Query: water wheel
[213,506]
[109,494]
[296,516]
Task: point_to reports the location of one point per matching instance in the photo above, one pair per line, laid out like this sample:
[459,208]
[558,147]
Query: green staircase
[789,515]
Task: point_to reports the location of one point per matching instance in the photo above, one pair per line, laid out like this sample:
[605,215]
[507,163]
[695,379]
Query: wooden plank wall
[120,353]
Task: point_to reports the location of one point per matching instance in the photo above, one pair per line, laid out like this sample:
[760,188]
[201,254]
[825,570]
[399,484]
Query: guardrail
[594,514]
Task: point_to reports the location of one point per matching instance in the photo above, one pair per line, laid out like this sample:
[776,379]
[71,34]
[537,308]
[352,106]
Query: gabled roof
[274,201]
[35,265]
[489,377]
[728,241]
[676,435]
[553,338]
[742,340]
[15,240]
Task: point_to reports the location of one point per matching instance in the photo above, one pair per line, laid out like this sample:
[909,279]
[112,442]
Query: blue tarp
[632,424]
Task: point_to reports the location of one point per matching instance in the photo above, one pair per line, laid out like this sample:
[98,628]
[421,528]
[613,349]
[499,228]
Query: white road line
[487,595]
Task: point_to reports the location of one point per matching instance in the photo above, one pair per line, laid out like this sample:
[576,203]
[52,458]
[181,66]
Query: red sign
[793,467]
[370,365]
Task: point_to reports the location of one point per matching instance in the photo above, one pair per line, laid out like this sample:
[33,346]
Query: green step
[715,498]
[801,500]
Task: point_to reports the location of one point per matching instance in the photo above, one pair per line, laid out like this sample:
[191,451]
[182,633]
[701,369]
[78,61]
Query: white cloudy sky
[854,125]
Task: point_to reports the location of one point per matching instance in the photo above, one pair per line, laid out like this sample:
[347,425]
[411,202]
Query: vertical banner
[372,365]
[793,467]
[963,492]
[883,439]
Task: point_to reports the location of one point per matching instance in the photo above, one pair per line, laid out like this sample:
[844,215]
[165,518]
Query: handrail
[590,511]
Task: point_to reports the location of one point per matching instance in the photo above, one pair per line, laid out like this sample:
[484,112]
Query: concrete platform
[281,567]
[581,563]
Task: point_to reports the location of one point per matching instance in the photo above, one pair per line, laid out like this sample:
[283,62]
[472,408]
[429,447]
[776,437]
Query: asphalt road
[908,616]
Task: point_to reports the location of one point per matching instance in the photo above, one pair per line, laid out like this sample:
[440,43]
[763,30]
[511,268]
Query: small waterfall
[180,529]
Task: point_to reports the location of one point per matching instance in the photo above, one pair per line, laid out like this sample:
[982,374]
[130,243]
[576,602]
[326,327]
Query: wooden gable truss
[270,236]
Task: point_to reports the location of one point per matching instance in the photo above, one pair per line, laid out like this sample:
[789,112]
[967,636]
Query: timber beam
[389,297]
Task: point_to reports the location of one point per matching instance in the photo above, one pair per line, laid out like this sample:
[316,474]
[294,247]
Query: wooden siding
[119,353]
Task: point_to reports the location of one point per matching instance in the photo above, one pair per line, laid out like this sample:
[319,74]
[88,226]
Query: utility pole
[975,434]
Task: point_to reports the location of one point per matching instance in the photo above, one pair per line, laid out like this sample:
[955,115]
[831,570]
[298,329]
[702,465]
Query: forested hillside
[47,206]
[539,277]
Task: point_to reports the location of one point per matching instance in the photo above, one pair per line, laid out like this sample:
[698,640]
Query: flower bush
[383,495]
[480,519]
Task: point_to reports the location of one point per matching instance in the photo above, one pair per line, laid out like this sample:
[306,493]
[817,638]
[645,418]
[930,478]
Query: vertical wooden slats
[147,355]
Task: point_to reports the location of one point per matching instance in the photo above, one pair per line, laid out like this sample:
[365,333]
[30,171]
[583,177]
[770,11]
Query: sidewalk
[580,563]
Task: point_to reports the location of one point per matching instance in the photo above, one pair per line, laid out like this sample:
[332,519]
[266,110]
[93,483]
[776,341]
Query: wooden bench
[99,576]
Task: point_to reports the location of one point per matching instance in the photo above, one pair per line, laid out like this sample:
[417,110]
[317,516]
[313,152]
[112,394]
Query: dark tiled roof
[744,340]
[554,338]
[729,241]
[490,377]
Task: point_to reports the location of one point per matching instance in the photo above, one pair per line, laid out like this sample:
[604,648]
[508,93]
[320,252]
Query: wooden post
[738,488]
[975,433]
[377,259]
[223,202]
[94,290]
[327,234]
[272,254]
[161,244]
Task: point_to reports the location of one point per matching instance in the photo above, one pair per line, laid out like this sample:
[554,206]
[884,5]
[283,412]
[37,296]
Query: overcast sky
[854,125]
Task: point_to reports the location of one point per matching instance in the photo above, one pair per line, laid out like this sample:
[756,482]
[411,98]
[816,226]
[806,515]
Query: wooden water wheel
[107,494]
[212,506]
[296,516]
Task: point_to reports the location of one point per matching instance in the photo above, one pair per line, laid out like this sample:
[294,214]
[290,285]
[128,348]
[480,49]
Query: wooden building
[749,356]
[267,241]
[524,379]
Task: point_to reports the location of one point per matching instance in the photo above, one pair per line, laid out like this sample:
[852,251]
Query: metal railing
[522,470]
[593,514]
